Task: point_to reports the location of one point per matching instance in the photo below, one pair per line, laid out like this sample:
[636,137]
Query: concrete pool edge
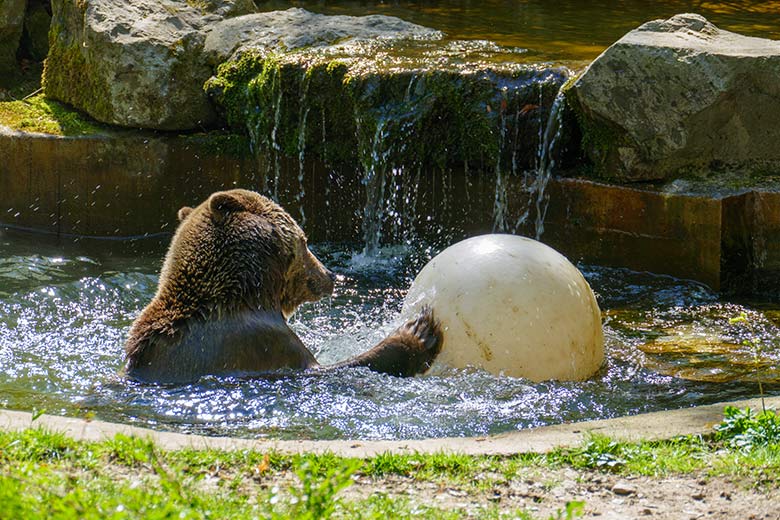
[649,426]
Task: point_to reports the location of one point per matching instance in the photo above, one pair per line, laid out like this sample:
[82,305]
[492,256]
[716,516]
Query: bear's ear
[184,213]
[222,204]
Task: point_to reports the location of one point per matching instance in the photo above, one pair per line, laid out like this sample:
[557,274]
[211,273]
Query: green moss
[67,74]
[200,5]
[228,88]
[40,114]
[429,116]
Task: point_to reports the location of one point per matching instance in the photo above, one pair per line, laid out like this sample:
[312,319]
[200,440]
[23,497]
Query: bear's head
[240,250]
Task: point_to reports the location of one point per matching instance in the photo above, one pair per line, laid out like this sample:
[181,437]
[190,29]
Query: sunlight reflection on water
[64,316]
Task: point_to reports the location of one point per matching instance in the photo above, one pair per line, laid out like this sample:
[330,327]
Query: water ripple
[64,317]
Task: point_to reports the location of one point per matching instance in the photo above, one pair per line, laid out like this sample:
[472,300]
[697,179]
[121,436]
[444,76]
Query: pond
[565,30]
[66,306]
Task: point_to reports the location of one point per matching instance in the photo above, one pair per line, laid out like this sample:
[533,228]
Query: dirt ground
[545,494]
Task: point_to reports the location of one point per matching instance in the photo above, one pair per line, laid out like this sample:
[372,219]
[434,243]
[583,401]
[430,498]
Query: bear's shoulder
[243,344]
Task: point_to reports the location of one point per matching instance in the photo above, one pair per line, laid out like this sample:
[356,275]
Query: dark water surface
[65,308]
[552,30]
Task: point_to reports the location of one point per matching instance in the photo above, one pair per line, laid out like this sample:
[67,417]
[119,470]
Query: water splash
[63,323]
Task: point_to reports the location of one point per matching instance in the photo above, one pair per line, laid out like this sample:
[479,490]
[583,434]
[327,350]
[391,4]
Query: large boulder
[680,96]
[11,25]
[297,28]
[137,64]
[144,63]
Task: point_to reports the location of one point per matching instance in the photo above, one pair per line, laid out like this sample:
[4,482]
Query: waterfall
[391,178]
[408,136]
[303,114]
[374,169]
[500,202]
[546,161]
[548,154]
[276,149]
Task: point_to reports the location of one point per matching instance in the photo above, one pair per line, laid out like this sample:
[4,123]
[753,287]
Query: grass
[40,114]
[23,107]
[49,475]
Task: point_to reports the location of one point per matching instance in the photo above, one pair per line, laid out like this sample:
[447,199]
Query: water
[548,155]
[534,198]
[65,309]
[374,180]
[564,30]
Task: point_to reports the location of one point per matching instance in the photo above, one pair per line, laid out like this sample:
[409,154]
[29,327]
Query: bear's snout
[320,280]
[321,286]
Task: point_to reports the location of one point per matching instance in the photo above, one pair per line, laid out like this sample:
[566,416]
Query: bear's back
[245,344]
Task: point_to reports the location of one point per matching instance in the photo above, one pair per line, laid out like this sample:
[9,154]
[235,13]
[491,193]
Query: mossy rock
[150,75]
[347,106]
[599,138]
[39,114]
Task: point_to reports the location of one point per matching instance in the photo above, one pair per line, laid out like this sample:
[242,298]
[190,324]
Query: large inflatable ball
[512,306]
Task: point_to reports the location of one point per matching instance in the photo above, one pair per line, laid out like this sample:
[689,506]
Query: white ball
[512,306]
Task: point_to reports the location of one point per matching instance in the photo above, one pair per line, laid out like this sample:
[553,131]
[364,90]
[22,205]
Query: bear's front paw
[424,337]
[409,350]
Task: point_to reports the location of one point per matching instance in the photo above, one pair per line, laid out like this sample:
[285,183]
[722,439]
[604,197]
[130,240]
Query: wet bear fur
[238,266]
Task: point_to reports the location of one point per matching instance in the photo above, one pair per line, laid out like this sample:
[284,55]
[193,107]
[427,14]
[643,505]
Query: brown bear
[237,267]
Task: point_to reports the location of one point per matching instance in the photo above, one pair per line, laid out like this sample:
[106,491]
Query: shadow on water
[65,308]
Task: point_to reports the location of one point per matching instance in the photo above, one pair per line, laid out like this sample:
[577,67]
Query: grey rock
[680,96]
[36,31]
[136,64]
[11,25]
[144,63]
[226,8]
[296,28]
[624,488]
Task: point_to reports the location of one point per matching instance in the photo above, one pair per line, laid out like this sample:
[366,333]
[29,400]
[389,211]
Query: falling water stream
[548,149]
[534,180]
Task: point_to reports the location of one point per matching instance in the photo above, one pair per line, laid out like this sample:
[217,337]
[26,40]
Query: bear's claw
[427,329]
